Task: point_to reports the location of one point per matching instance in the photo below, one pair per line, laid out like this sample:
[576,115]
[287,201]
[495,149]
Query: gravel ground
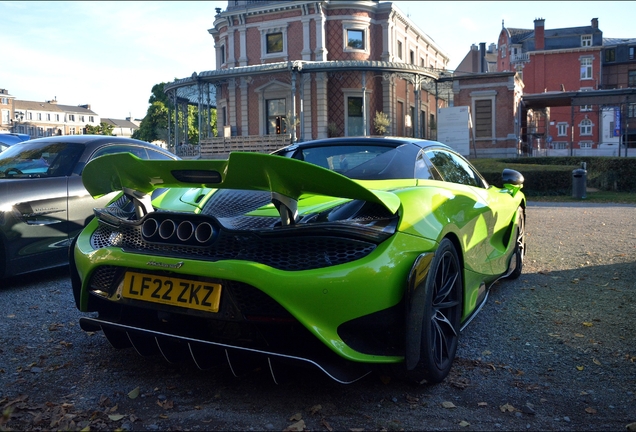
[553,350]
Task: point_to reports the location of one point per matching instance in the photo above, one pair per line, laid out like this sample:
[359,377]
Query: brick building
[315,69]
[619,72]
[494,101]
[40,119]
[556,60]
[6,111]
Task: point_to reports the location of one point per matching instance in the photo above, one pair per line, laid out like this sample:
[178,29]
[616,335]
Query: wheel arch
[3,256]
[414,299]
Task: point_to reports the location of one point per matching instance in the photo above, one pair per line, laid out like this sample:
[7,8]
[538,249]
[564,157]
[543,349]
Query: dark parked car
[43,203]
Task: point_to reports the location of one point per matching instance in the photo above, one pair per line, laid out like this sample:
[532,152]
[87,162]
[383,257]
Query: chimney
[595,23]
[539,34]
[482,57]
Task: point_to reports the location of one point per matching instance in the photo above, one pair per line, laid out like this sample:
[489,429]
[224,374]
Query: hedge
[553,175]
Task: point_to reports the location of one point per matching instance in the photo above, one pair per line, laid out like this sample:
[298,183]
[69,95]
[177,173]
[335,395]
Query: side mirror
[512,181]
[512,177]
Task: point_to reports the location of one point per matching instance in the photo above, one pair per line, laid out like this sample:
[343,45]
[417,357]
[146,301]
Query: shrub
[553,175]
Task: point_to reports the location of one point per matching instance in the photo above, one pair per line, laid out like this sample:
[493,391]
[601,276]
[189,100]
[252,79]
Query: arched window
[585,127]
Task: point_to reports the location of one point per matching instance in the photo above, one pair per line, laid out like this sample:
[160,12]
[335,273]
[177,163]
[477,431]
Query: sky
[111,54]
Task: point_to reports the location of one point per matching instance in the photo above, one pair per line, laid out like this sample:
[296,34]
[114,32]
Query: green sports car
[346,254]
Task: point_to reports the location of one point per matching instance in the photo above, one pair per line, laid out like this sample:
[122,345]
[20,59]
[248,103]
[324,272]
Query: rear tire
[3,259]
[76,283]
[441,317]
[519,253]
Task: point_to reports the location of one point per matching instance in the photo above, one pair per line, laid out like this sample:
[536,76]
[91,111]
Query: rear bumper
[207,354]
[317,301]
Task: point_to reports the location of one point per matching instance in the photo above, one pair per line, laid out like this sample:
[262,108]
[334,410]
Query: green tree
[154,126]
[102,129]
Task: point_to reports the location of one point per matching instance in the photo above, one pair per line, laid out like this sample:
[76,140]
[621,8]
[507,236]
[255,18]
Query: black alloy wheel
[442,316]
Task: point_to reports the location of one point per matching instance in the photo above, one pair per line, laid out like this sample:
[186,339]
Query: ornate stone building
[314,69]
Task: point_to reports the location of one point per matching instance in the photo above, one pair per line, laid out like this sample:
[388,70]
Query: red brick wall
[548,71]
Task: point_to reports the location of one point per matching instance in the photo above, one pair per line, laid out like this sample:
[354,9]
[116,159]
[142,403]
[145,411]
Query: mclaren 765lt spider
[345,254]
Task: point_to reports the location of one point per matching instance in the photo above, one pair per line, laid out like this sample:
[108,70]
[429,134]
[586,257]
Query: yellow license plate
[185,293]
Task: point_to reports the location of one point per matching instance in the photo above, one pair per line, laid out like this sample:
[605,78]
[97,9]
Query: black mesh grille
[232,203]
[102,279]
[284,253]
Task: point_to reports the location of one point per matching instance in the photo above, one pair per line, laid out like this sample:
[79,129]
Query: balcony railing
[517,58]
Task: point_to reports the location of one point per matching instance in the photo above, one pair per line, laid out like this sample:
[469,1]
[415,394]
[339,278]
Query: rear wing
[287,179]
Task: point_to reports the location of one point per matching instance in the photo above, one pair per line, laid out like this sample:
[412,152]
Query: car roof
[369,140]
[85,139]
[93,141]
[10,139]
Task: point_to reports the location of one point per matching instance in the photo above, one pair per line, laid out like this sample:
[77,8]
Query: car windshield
[362,162]
[33,159]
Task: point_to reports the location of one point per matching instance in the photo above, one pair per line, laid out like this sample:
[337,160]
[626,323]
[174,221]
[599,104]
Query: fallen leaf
[315,409]
[583,393]
[116,417]
[464,423]
[296,417]
[163,416]
[590,410]
[578,335]
[580,368]
[326,424]
[412,399]
[596,362]
[448,405]
[485,353]
[167,404]
[299,426]
[133,393]
[385,379]
[587,324]
[482,404]
[507,408]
